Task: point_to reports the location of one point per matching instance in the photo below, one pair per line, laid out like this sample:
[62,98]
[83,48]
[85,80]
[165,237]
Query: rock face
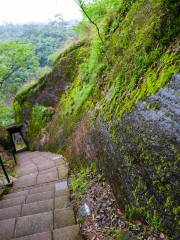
[141,156]
[4,139]
[143,163]
[122,113]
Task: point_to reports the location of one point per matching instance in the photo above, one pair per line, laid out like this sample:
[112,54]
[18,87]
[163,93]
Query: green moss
[176,210]
[18,112]
[154,106]
[133,212]
[41,115]
[6,115]
[79,182]
[118,234]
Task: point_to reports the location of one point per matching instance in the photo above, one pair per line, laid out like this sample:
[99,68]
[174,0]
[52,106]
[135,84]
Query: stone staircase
[39,207]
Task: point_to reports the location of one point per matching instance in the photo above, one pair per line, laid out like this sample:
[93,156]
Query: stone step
[44,165]
[37,207]
[31,190]
[25,181]
[42,188]
[7,229]
[39,196]
[12,202]
[38,236]
[63,217]
[29,169]
[62,202]
[15,195]
[50,176]
[39,223]
[53,169]
[59,187]
[66,233]
[32,224]
[63,171]
[43,222]
[10,212]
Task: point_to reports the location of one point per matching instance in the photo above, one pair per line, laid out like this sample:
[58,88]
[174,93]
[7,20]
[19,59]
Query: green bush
[80,182]
[6,115]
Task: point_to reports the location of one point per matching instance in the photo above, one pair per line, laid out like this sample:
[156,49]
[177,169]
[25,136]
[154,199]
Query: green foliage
[18,112]
[41,115]
[133,212]
[25,52]
[18,63]
[96,10]
[118,234]
[79,182]
[45,38]
[85,82]
[6,115]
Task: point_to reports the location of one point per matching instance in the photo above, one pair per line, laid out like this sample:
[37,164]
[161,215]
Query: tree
[45,38]
[18,63]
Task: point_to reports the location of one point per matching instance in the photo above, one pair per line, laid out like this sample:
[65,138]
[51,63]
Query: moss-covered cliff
[103,103]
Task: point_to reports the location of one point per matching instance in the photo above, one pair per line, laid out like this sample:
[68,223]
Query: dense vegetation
[26,53]
[45,38]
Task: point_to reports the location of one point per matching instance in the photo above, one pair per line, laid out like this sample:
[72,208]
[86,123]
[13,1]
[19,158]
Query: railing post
[4,170]
[14,156]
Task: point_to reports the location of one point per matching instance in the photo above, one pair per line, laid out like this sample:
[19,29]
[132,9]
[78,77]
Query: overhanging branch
[81,4]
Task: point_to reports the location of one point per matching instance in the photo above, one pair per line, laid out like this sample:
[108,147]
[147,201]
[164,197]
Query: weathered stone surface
[43,188]
[27,170]
[39,196]
[12,202]
[47,177]
[61,188]
[37,236]
[59,193]
[45,165]
[10,212]
[59,160]
[63,218]
[62,185]
[32,224]
[7,229]
[67,233]
[62,202]
[63,171]
[38,159]
[16,194]
[50,170]
[37,207]
[26,181]
[25,163]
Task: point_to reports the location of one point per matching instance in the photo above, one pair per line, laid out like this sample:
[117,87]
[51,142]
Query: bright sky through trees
[23,11]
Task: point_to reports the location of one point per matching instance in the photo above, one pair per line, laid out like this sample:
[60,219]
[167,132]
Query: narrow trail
[38,207]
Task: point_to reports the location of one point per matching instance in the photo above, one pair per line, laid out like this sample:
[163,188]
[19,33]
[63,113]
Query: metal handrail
[4,170]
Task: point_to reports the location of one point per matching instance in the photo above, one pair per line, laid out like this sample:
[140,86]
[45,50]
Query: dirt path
[38,207]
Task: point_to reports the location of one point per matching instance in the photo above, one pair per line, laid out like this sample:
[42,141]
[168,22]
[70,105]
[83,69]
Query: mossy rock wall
[117,104]
[45,94]
[141,158]
[5,141]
